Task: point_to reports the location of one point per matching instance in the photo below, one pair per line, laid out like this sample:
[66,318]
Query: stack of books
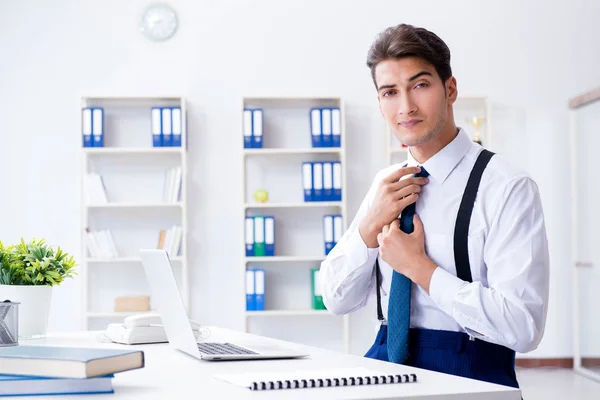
[45,370]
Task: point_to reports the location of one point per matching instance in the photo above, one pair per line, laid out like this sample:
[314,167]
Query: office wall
[529,57]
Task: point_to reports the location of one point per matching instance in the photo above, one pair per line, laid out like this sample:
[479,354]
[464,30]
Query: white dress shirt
[507,301]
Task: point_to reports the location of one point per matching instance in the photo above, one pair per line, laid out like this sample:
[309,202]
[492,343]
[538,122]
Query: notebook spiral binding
[333,382]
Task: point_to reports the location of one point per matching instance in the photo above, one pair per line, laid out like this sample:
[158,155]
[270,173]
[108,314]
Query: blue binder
[176,124]
[315,127]
[307,180]
[156,116]
[336,127]
[317,168]
[248,139]
[86,127]
[259,289]
[98,126]
[167,127]
[337,228]
[257,128]
[328,181]
[250,291]
[269,236]
[326,140]
[328,233]
[337,181]
[249,236]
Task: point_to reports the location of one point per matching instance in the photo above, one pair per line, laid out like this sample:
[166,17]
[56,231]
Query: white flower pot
[33,310]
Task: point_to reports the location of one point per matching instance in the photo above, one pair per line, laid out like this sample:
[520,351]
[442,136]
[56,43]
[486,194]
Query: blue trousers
[453,353]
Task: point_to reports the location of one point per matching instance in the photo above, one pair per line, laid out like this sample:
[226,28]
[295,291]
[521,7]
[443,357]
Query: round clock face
[159,22]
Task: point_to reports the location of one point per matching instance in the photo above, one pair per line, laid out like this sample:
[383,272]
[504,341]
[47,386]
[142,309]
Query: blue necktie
[399,303]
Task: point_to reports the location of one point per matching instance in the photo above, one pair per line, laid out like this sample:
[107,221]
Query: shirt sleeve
[512,310]
[348,271]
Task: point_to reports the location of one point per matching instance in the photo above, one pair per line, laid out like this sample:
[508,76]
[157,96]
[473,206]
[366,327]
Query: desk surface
[170,374]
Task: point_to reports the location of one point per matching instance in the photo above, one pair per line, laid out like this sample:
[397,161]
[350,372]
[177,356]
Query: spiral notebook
[314,378]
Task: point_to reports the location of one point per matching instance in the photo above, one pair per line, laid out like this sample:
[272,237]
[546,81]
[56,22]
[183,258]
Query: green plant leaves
[34,263]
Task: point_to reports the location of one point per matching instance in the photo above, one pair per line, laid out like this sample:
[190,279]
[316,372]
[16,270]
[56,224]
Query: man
[463,282]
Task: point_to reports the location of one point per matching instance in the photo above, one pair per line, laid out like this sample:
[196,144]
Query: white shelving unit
[464,109]
[299,245]
[134,175]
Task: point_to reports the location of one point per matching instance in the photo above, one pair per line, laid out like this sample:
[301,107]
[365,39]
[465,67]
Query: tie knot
[423,172]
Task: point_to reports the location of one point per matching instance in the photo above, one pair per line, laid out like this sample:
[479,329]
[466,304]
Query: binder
[86,127]
[337,181]
[336,127]
[315,127]
[337,229]
[257,128]
[98,127]
[167,137]
[259,289]
[259,236]
[328,181]
[317,289]
[269,236]
[249,236]
[248,140]
[328,233]
[318,181]
[250,292]
[307,181]
[176,126]
[156,127]
[326,127]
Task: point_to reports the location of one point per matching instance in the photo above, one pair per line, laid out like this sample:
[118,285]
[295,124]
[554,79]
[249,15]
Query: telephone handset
[143,328]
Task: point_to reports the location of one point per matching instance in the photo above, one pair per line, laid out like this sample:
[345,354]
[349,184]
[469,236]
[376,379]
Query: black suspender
[461,229]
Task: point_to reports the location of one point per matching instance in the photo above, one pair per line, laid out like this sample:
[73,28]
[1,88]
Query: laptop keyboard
[222,348]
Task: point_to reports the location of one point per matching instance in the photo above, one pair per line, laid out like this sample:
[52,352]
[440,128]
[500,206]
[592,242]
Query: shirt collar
[443,162]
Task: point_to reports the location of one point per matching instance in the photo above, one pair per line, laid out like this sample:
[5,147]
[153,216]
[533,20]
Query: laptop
[167,300]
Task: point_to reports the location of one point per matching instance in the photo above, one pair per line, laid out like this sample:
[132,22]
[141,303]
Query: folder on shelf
[336,127]
[318,181]
[156,114]
[259,289]
[337,181]
[98,127]
[328,181]
[249,236]
[176,123]
[167,128]
[269,236]
[328,233]
[250,293]
[259,236]
[86,127]
[248,139]
[307,180]
[317,290]
[337,229]
[315,127]
[257,128]
[326,127]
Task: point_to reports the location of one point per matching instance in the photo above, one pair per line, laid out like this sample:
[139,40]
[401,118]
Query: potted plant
[28,271]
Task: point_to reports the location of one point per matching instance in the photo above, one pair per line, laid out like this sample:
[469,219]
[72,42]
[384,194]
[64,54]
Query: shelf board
[283,313]
[136,205]
[133,150]
[120,260]
[306,204]
[284,259]
[114,314]
[281,151]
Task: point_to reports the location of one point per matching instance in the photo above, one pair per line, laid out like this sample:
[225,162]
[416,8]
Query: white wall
[529,57]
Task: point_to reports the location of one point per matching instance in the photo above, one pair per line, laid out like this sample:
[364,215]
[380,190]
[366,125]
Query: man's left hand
[406,252]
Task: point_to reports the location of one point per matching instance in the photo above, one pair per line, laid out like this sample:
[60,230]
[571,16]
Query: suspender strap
[378,280]
[463,219]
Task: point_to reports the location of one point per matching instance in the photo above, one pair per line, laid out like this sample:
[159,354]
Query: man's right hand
[392,196]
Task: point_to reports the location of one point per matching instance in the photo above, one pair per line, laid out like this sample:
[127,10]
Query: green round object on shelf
[261,196]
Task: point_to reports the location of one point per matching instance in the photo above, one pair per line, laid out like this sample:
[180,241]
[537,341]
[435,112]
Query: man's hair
[405,41]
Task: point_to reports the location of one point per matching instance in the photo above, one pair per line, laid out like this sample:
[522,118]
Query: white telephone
[142,328]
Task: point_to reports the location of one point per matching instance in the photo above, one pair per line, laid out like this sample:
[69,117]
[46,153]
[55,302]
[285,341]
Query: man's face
[412,99]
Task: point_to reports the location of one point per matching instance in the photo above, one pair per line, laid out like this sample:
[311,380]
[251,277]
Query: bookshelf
[464,108]
[299,240]
[133,190]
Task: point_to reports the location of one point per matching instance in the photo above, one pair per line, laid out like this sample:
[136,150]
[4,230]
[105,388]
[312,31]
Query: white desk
[170,374]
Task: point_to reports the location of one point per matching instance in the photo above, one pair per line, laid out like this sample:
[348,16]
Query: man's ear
[451,90]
